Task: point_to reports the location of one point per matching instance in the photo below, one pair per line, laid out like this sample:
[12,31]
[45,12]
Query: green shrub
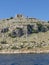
[3,42]
[29,47]
[41,27]
[11,17]
[14,47]
[39,45]
[48,21]
[19,32]
[4,30]
[29,29]
[13,34]
[34,31]
[21,46]
[48,27]
[24,41]
[44,29]
[7,19]
[0,47]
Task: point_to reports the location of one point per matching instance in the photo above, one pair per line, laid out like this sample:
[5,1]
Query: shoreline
[23,51]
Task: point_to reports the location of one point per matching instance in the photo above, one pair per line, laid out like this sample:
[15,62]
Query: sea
[24,59]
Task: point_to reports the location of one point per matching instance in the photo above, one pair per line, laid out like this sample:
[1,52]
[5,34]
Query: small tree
[48,21]
[11,17]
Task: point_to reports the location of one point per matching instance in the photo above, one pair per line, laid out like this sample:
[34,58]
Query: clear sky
[31,8]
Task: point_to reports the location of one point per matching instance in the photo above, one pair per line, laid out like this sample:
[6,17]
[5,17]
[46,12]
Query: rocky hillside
[23,32]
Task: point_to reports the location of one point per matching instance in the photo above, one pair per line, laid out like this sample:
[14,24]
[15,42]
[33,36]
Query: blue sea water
[24,59]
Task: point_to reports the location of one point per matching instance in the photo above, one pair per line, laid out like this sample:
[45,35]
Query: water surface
[24,59]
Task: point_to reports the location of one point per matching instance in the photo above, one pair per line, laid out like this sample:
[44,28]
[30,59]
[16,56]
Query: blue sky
[31,8]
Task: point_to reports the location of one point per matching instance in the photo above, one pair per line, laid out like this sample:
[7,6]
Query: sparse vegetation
[19,30]
[14,47]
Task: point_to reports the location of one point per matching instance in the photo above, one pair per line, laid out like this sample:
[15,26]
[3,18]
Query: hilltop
[23,33]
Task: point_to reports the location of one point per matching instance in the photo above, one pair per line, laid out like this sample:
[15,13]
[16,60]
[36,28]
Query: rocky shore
[23,51]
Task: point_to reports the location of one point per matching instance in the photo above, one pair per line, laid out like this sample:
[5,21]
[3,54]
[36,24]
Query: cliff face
[20,32]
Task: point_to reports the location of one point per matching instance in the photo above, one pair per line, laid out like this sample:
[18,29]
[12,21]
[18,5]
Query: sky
[32,8]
